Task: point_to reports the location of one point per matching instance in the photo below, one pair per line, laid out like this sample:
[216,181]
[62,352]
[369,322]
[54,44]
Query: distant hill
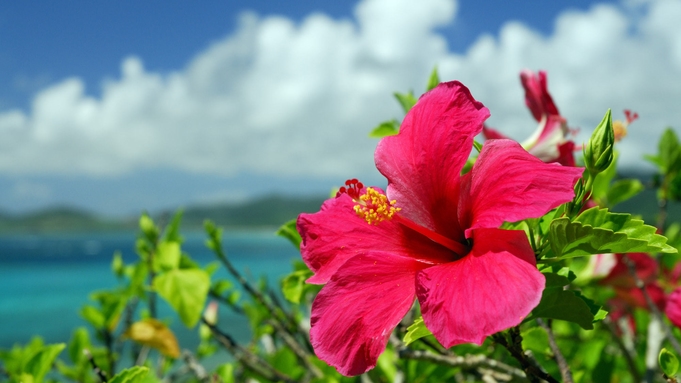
[270,211]
[59,219]
[265,212]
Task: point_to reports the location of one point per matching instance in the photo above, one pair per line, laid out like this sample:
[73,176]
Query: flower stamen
[375,207]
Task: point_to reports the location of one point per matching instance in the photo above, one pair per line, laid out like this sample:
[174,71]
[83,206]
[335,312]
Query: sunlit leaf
[167,256]
[289,231]
[186,291]
[597,231]
[293,285]
[669,363]
[41,362]
[131,375]
[623,190]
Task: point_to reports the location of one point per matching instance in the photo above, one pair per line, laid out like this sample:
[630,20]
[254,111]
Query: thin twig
[101,374]
[249,359]
[669,335]
[468,362]
[636,376]
[297,349]
[565,372]
[194,366]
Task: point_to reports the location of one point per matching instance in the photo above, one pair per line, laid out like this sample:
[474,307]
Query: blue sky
[119,107]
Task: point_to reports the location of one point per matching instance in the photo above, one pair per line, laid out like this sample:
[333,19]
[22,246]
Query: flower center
[374,207]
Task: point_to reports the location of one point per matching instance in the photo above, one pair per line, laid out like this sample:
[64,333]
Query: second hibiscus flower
[433,235]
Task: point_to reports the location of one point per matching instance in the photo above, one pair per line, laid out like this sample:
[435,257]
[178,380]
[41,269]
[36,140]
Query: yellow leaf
[153,333]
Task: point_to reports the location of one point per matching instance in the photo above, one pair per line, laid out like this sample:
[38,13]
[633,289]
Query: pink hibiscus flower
[433,236]
[549,141]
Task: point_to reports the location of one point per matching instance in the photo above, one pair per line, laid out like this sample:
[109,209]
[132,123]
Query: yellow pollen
[620,130]
[374,207]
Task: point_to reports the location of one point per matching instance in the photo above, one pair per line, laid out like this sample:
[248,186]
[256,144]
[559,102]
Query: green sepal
[385,129]
[290,232]
[406,100]
[416,331]
[433,80]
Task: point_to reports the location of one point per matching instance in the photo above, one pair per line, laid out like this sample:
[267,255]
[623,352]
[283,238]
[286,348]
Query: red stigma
[631,117]
[352,188]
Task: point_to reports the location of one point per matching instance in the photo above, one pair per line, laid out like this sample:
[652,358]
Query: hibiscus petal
[423,162]
[336,234]
[537,97]
[355,313]
[673,309]
[509,184]
[489,290]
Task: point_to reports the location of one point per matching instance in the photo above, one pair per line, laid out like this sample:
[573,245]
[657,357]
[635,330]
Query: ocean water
[46,279]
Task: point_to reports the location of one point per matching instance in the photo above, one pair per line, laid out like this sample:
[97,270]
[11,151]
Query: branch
[249,359]
[468,362]
[626,352]
[101,374]
[565,372]
[529,365]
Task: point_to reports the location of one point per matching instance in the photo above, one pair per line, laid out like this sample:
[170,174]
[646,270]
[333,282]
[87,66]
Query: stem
[565,372]
[626,352]
[277,312]
[529,365]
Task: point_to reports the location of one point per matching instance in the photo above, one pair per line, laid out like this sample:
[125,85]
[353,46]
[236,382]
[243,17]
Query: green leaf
[289,231]
[225,372]
[293,285]
[386,128]
[669,363]
[117,265]
[434,80]
[477,146]
[173,229]
[79,340]
[167,256]
[131,375]
[406,100]
[669,152]
[416,331]
[597,231]
[186,291]
[536,339]
[93,315]
[566,305]
[623,190]
[41,362]
[148,228]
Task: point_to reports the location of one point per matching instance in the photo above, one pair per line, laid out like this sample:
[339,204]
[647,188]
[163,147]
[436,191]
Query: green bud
[599,154]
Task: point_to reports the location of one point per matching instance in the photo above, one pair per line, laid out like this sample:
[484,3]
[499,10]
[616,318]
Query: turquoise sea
[46,279]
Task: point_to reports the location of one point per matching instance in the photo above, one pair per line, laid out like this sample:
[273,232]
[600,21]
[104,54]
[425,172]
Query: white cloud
[282,98]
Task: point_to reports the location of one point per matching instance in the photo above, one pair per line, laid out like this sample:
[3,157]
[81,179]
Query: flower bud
[598,154]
